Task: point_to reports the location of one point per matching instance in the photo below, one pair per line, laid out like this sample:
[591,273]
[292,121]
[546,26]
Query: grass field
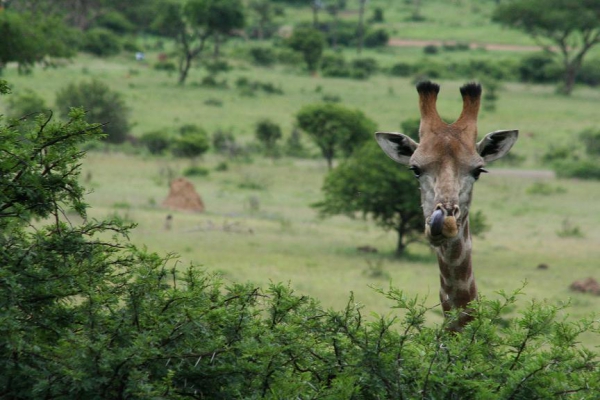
[284,240]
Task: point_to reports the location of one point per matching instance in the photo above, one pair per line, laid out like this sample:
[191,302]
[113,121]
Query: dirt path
[487,46]
[524,173]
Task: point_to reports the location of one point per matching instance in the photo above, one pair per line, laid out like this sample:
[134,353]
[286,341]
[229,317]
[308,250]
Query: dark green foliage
[566,28]
[410,128]
[591,141]
[224,142]
[264,56]
[101,104]
[587,168]
[268,134]
[249,88]
[335,128]
[87,315]
[310,43]
[168,66]
[192,24]
[157,142]
[191,142]
[334,65]
[539,68]
[377,15]
[28,43]
[589,74]
[370,184]
[431,49]
[27,103]
[115,22]
[101,42]
[195,171]
[402,69]
[376,38]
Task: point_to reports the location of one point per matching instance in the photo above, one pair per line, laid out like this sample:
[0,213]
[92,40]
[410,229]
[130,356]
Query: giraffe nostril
[455,212]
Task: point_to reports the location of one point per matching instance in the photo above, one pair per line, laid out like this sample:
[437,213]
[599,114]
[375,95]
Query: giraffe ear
[397,146]
[496,144]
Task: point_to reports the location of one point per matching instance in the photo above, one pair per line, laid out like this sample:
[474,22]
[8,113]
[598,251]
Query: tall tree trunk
[184,68]
[217,50]
[400,246]
[361,25]
[315,8]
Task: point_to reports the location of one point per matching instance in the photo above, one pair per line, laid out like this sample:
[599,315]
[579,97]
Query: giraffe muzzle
[441,224]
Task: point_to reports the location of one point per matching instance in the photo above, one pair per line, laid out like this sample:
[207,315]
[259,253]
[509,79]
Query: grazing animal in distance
[447,161]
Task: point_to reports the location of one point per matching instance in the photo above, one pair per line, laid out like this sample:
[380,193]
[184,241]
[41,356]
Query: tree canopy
[27,43]
[567,28]
[372,185]
[194,23]
[335,128]
[310,43]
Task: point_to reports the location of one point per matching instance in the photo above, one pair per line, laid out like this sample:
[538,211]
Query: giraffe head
[447,160]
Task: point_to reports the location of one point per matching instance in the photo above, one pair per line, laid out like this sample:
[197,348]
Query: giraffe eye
[478,171]
[416,170]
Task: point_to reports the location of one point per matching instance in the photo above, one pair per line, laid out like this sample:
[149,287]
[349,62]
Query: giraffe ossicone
[447,161]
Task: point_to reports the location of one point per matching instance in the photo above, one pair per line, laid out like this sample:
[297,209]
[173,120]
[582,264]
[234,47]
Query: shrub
[101,42]
[431,49]
[294,146]
[195,170]
[539,68]
[334,65]
[102,105]
[157,142]
[216,66]
[583,169]
[168,66]
[410,127]
[402,69]
[310,43]
[191,142]
[264,56]
[268,133]
[366,64]
[376,38]
[591,140]
[589,73]
[26,103]
[115,22]
[223,141]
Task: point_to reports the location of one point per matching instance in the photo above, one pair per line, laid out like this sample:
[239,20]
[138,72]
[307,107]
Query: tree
[264,10]
[27,44]
[361,24]
[310,42]
[191,25]
[566,28]
[192,142]
[268,133]
[377,188]
[335,128]
[102,105]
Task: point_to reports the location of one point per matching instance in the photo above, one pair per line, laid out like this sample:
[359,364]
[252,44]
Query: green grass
[284,240]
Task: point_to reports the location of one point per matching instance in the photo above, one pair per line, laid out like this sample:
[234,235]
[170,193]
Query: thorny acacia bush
[85,314]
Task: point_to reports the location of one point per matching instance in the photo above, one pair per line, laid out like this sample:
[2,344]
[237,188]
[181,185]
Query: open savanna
[284,240]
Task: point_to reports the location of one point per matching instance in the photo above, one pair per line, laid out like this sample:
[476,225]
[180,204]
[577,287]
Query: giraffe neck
[456,274]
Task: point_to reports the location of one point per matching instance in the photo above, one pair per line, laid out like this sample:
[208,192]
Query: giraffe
[447,161]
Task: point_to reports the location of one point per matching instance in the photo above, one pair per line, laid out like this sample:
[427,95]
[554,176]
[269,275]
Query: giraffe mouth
[441,227]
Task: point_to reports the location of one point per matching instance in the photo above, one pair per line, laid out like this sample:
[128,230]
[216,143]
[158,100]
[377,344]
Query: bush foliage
[102,105]
[86,314]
